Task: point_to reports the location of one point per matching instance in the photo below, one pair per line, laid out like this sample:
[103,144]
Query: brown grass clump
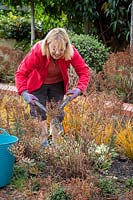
[115,60]
[9,61]
[118,72]
[116,77]
[82,189]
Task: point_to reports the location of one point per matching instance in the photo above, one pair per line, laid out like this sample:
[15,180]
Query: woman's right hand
[29,98]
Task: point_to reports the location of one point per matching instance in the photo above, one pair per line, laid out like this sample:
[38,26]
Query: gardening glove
[75,93]
[29,98]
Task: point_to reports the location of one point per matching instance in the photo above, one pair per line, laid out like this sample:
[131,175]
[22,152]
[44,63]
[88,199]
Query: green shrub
[129,184]
[60,194]
[24,46]
[107,186]
[92,50]
[14,27]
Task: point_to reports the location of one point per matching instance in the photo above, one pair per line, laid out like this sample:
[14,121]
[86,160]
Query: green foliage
[59,194]
[101,155]
[76,12]
[23,45]
[36,186]
[19,172]
[92,50]
[44,22]
[116,16]
[14,26]
[110,20]
[17,25]
[107,186]
[20,176]
[129,184]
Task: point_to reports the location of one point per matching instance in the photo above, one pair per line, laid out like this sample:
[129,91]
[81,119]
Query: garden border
[127,109]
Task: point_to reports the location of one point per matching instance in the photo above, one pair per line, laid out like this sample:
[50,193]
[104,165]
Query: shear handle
[40,105]
[67,99]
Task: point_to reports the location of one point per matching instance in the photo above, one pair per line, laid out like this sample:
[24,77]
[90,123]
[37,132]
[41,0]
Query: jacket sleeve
[82,70]
[28,65]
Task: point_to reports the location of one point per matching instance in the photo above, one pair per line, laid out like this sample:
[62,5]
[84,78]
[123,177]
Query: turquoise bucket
[6,157]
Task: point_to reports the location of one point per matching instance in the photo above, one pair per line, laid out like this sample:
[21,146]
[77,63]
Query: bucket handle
[3,131]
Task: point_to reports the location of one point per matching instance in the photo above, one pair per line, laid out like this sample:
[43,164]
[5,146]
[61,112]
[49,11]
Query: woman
[43,74]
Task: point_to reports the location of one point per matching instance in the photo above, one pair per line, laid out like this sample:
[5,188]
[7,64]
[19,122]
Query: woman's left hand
[75,93]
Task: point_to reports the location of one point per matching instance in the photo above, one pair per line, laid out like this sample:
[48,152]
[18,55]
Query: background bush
[92,50]
[9,61]
[118,75]
[14,27]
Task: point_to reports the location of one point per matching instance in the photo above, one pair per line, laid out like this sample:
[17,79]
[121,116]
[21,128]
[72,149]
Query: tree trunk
[32,24]
[87,25]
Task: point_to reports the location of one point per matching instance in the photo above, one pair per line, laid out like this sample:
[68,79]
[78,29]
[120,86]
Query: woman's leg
[40,114]
[50,93]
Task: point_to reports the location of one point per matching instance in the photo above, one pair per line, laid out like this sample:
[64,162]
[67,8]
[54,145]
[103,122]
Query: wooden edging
[127,109]
[8,88]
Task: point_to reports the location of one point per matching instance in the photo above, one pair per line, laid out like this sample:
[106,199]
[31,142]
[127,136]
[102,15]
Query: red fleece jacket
[33,70]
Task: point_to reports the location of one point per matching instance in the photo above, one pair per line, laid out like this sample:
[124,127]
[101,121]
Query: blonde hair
[60,35]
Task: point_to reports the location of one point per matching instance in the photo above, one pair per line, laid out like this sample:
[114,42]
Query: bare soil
[122,168]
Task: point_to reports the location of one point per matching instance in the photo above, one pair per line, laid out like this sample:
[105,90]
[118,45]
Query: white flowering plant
[101,155]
